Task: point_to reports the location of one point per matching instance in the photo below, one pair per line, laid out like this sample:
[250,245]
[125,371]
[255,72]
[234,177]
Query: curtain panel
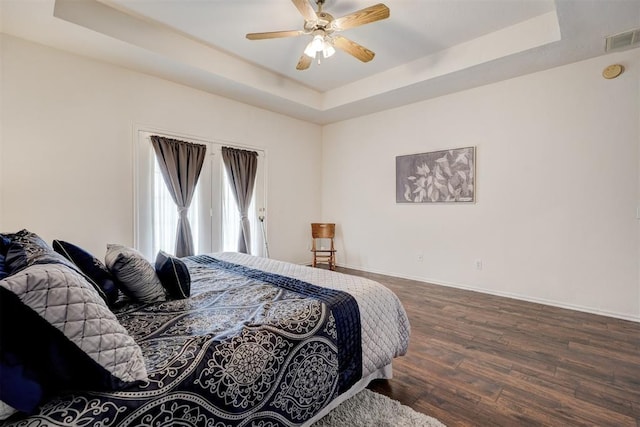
[241,167]
[180,163]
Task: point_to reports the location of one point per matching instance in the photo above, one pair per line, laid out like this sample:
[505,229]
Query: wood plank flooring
[482,360]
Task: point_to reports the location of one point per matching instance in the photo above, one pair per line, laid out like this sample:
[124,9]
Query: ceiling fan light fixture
[310,50]
[319,44]
[328,50]
[316,45]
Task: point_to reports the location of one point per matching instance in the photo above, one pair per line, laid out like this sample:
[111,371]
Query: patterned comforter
[259,342]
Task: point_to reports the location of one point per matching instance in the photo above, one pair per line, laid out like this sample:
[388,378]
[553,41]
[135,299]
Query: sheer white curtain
[165,215]
[231,219]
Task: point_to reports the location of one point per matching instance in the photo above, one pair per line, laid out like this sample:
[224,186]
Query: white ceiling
[426,48]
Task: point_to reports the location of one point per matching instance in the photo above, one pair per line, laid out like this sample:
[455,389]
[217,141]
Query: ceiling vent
[623,40]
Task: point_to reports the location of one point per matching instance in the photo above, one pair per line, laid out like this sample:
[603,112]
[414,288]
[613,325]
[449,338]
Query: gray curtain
[180,163]
[241,167]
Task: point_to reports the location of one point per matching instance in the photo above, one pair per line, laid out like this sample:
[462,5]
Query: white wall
[67,158]
[557,189]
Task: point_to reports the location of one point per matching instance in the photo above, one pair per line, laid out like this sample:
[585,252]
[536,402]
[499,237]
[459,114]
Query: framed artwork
[437,177]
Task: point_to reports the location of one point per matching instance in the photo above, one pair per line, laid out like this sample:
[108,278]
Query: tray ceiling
[424,49]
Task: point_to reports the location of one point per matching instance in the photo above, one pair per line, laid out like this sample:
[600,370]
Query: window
[213,212]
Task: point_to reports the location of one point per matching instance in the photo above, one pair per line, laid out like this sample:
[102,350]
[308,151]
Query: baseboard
[520,297]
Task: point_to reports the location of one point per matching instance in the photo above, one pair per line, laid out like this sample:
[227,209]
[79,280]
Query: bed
[257,342]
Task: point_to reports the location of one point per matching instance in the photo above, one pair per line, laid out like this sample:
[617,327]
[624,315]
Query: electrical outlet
[478,264]
[420,257]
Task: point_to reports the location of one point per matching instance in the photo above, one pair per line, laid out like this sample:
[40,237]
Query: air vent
[623,40]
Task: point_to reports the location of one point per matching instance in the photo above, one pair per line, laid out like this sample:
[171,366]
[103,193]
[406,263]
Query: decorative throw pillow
[174,275]
[6,411]
[95,271]
[5,241]
[75,342]
[28,249]
[136,275]
[3,271]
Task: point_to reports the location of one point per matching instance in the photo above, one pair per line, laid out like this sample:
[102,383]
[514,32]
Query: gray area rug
[368,408]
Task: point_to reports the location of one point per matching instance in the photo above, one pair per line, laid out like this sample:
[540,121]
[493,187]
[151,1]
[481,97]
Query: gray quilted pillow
[136,275]
[69,303]
[6,411]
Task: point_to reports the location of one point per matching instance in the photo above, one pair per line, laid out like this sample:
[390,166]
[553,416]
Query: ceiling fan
[323,27]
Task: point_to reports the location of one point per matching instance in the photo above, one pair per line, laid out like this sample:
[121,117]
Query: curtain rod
[221,142]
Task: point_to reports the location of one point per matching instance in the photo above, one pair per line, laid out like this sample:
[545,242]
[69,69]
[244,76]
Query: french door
[213,214]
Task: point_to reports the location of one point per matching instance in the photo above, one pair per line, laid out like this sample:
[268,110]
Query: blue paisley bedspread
[247,348]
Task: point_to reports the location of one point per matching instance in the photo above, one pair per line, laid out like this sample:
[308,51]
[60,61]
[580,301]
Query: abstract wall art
[437,177]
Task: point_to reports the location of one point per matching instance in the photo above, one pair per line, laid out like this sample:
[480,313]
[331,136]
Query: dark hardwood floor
[482,360]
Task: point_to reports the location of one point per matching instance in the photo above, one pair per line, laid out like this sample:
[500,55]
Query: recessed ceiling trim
[113,21]
[584,26]
[101,17]
[532,33]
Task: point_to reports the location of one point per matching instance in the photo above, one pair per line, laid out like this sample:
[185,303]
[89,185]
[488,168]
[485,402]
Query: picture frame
[444,176]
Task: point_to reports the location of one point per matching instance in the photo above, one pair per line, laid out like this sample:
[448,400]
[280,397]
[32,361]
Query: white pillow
[136,275]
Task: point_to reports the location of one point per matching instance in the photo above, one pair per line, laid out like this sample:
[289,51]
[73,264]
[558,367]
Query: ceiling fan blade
[353,48]
[274,34]
[304,62]
[361,17]
[306,10]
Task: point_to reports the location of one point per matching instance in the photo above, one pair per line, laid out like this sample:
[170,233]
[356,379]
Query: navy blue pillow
[5,241]
[3,271]
[44,363]
[173,275]
[27,249]
[92,267]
